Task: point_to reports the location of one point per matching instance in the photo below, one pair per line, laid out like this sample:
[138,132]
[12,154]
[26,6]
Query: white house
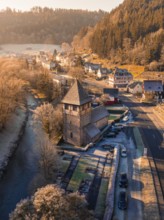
[103,72]
[135,87]
[120,78]
[93,68]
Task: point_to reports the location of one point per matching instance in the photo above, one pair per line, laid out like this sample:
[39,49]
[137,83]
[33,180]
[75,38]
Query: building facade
[80,124]
[120,78]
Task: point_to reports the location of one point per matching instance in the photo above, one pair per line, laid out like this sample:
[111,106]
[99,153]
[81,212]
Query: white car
[123,152]
[125,118]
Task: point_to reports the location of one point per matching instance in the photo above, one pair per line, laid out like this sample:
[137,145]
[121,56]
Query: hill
[44,25]
[131,33]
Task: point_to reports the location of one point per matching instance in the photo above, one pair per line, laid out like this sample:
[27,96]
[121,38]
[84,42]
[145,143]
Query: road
[22,168]
[151,130]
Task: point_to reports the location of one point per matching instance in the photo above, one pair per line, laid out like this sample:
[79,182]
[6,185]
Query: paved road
[15,184]
[153,140]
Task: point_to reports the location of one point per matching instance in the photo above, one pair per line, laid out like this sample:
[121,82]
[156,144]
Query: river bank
[22,167]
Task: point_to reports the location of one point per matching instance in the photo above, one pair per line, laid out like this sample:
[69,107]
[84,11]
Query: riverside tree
[49,119]
[51,202]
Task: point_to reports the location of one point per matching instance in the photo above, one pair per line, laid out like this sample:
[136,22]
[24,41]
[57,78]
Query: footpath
[10,136]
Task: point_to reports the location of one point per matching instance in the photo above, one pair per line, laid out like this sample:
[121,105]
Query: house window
[66,106]
[74,108]
[71,135]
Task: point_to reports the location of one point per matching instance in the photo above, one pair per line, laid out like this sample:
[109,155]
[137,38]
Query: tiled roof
[134,84]
[98,113]
[76,95]
[92,130]
[111,92]
[95,66]
[153,85]
[105,70]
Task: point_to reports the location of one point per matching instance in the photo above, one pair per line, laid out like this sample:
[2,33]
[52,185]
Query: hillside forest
[44,25]
[131,33]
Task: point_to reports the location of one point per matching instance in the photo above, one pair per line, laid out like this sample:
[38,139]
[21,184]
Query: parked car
[123,152]
[115,130]
[108,147]
[123,182]
[118,126]
[125,118]
[123,201]
[111,135]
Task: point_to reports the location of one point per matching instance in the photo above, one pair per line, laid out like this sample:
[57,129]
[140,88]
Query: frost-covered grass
[80,172]
[9,136]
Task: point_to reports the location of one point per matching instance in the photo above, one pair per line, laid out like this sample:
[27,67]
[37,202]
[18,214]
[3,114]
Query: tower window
[74,108]
[66,106]
[71,135]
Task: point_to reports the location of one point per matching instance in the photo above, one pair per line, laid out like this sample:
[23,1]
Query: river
[15,183]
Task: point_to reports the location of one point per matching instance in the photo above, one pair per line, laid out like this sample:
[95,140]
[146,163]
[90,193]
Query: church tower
[76,114]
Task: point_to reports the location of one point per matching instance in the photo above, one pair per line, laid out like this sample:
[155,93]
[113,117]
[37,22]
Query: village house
[93,68]
[120,78]
[86,66]
[67,59]
[102,73]
[82,124]
[110,96]
[135,87]
[152,89]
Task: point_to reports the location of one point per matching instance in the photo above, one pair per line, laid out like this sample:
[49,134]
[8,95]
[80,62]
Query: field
[80,172]
[134,69]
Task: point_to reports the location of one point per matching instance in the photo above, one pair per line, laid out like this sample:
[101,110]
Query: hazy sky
[23,5]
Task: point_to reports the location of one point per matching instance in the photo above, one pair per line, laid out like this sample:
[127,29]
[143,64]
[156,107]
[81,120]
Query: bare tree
[49,119]
[49,162]
[51,202]
[77,73]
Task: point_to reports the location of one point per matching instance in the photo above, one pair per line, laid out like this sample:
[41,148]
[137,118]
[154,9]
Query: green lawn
[113,117]
[100,205]
[65,163]
[80,172]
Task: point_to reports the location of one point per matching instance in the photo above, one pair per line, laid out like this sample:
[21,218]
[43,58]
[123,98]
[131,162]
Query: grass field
[65,163]
[38,94]
[134,69]
[80,172]
[100,205]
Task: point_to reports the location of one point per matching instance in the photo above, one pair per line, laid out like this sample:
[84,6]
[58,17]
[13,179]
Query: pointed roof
[76,95]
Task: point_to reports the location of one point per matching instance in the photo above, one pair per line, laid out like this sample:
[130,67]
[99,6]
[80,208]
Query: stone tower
[77,114]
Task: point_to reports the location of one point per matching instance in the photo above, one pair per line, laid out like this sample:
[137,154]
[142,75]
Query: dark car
[108,147]
[111,135]
[123,182]
[114,130]
[123,152]
[123,201]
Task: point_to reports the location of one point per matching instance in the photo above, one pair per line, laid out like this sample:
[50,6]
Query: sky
[24,5]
